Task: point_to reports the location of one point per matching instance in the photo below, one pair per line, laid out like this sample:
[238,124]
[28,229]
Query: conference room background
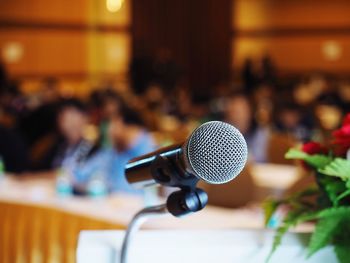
[86,85]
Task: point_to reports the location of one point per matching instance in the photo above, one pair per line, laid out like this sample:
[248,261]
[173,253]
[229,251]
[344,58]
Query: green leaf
[343,252]
[296,200]
[315,160]
[327,226]
[341,196]
[270,207]
[296,154]
[338,167]
[333,189]
[292,219]
[335,212]
[310,191]
[322,234]
[287,223]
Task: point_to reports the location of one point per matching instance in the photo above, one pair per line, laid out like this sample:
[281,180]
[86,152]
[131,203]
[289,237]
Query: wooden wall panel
[294,33]
[47,52]
[110,53]
[44,10]
[266,14]
[67,39]
[296,54]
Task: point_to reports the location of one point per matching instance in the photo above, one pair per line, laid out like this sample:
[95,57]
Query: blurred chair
[237,193]
[278,145]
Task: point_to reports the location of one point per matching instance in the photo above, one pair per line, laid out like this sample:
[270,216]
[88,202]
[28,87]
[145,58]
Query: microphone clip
[186,201]
[189,198]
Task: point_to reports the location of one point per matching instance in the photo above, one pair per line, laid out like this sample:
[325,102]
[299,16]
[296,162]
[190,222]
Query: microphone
[215,152]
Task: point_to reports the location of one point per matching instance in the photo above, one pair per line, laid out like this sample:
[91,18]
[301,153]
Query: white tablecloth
[188,246]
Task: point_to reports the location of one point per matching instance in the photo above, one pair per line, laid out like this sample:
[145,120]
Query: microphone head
[216,152]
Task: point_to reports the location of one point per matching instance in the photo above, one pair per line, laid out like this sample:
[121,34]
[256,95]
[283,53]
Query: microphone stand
[179,203]
[136,223]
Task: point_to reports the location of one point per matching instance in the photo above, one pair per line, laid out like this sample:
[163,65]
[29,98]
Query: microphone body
[215,152]
[146,170]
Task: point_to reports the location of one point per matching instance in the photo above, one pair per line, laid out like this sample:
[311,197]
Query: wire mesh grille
[216,152]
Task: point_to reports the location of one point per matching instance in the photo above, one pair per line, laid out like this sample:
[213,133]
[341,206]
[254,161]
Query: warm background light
[80,43]
[114,5]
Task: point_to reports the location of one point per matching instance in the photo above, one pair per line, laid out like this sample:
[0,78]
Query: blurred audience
[41,131]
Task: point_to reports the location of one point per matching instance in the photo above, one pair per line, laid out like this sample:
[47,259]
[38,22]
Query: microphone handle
[140,171]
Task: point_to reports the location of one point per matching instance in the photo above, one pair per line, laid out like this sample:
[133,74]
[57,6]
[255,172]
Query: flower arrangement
[327,202]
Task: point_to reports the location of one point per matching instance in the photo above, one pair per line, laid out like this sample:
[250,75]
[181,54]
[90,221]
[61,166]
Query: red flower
[346,120]
[342,137]
[314,148]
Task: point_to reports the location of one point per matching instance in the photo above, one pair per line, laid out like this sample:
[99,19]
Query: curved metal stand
[135,225]
[179,203]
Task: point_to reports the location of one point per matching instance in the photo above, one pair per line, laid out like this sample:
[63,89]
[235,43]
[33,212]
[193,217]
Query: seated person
[294,121]
[77,153]
[110,103]
[13,152]
[239,112]
[130,139]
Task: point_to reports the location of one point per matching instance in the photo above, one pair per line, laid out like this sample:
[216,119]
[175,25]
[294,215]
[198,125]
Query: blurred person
[166,71]
[154,105]
[155,99]
[78,152]
[130,139]
[111,103]
[267,73]
[49,92]
[3,78]
[13,151]
[343,90]
[72,122]
[95,102]
[263,98]
[141,71]
[200,108]
[294,122]
[248,75]
[328,114]
[180,104]
[39,123]
[239,112]
[12,105]
[217,104]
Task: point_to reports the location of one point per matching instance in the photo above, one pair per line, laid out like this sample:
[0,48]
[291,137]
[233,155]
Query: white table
[220,246]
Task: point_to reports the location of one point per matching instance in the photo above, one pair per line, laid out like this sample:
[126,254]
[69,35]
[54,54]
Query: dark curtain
[198,32]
